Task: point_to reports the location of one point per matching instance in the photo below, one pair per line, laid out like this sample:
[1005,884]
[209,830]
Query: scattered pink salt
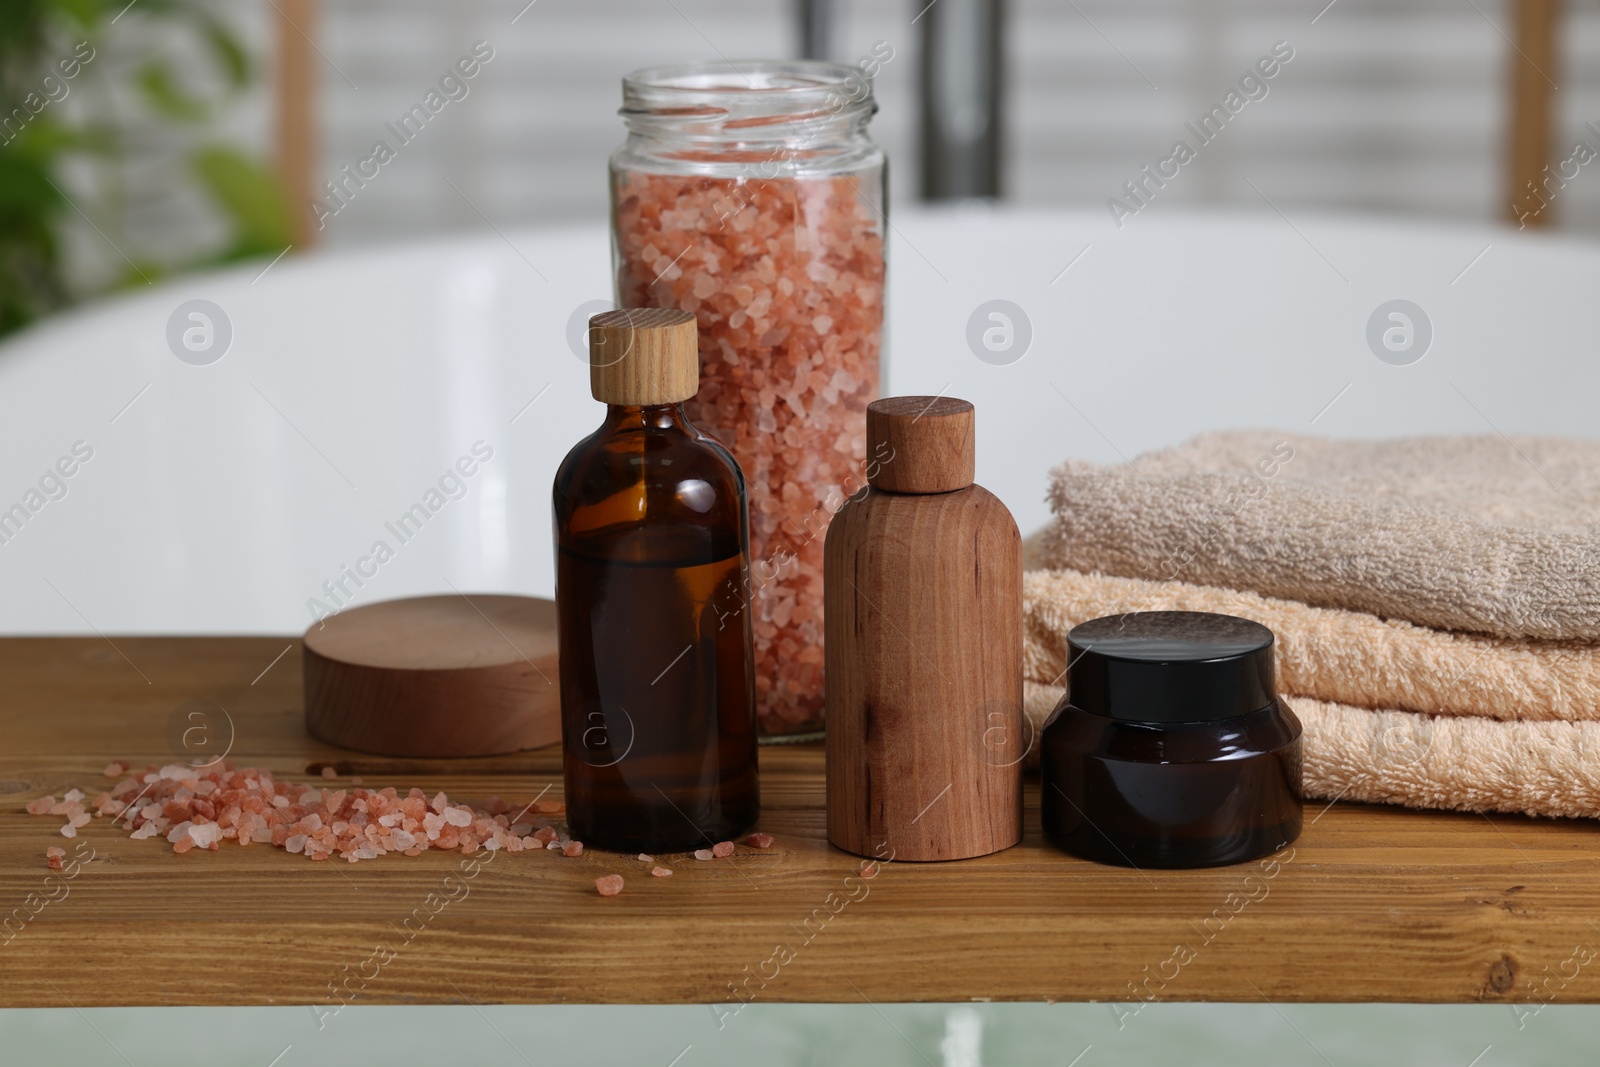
[53,857]
[702,854]
[759,840]
[643,858]
[722,849]
[609,885]
[869,869]
[661,872]
[116,768]
[205,807]
[328,771]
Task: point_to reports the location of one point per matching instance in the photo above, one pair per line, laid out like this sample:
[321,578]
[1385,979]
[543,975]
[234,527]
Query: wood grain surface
[921,444]
[1371,904]
[925,738]
[452,675]
[643,356]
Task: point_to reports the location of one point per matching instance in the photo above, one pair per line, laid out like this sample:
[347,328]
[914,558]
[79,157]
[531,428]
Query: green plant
[51,49]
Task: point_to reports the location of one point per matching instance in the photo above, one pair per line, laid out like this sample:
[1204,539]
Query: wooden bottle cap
[644,356]
[435,676]
[920,444]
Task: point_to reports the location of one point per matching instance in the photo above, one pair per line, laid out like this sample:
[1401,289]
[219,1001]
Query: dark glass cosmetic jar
[1170,748]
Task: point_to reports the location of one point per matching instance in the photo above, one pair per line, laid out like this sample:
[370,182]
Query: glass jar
[750,195]
[1171,748]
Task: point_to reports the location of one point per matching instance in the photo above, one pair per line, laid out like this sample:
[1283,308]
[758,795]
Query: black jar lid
[1170,666]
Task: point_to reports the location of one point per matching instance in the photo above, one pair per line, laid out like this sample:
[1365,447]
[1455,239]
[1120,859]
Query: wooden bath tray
[1373,904]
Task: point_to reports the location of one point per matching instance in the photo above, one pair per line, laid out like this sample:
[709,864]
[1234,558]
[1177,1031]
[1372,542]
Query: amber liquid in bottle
[657,675]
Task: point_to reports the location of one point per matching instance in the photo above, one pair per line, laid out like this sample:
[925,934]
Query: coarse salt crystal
[759,840]
[702,854]
[661,872]
[722,849]
[790,332]
[115,768]
[608,885]
[646,859]
[329,771]
[208,806]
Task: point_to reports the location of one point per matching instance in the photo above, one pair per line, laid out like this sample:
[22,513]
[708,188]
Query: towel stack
[1436,600]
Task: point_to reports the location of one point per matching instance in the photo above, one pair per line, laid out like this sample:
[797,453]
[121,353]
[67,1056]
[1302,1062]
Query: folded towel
[1422,761]
[1343,656]
[1489,534]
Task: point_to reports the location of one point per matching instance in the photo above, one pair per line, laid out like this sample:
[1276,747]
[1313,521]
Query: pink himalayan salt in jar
[751,195]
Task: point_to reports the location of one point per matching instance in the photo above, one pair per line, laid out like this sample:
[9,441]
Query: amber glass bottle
[652,565]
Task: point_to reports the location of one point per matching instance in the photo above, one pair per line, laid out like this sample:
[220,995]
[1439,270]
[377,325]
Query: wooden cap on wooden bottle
[644,356]
[920,444]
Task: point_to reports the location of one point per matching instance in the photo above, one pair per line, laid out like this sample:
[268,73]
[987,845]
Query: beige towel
[1343,656]
[1488,534]
[1422,761]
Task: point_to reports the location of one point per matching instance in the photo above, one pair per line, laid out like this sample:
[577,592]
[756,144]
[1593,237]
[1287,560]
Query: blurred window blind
[1387,105]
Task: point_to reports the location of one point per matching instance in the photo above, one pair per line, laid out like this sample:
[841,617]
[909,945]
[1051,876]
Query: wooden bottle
[923,615]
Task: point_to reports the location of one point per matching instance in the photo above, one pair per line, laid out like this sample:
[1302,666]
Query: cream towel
[1422,761]
[1343,656]
[1462,533]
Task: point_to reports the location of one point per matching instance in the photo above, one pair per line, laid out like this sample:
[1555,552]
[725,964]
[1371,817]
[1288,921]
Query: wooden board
[453,675]
[1373,904]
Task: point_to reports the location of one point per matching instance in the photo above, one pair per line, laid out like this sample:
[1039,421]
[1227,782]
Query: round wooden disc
[435,676]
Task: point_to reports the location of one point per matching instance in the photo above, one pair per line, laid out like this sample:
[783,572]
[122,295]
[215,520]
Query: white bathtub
[222,497]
